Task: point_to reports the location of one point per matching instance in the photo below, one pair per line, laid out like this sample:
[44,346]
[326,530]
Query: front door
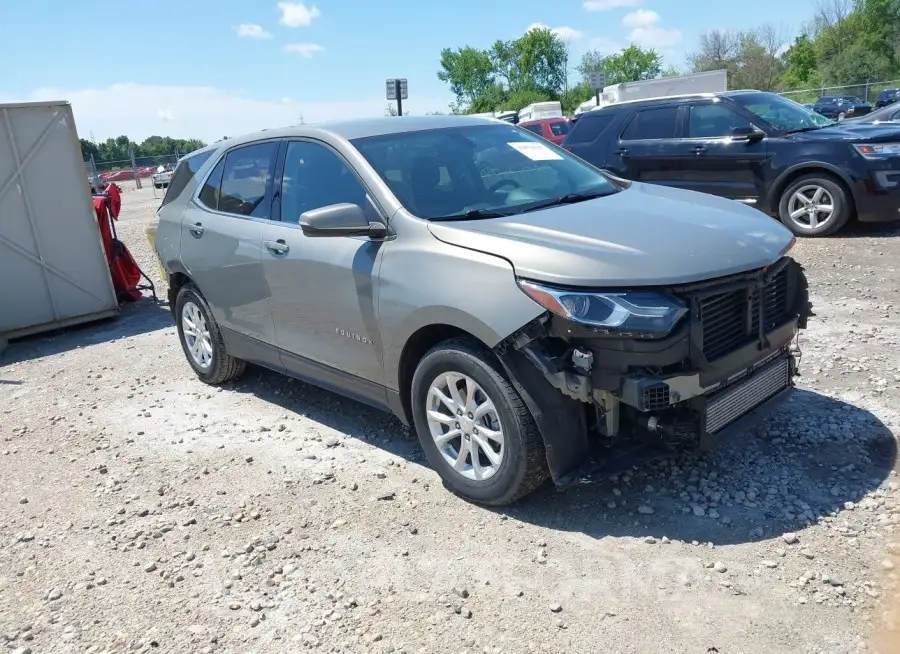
[323,289]
[221,240]
[719,165]
[648,148]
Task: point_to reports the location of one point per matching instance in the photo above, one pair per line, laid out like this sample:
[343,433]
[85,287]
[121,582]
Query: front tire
[201,339]
[815,205]
[474,427]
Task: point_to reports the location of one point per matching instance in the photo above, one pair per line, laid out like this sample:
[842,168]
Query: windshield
[780,112]
[478,171]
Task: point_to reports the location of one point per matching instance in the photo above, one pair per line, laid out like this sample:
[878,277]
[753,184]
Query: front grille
[730,320]
[730,404]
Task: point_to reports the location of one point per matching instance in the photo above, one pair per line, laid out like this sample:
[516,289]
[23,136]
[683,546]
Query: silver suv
[523,310]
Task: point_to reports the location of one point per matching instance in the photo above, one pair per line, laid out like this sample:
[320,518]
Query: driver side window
[245,178]
[315,177]
[714,121]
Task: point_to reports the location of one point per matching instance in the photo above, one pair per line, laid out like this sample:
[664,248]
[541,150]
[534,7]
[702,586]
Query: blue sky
[198,68]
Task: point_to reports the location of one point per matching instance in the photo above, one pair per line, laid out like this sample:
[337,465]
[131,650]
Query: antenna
[301,118]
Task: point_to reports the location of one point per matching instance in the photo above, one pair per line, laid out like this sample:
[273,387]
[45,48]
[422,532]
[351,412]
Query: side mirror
[340,220]
[749,134]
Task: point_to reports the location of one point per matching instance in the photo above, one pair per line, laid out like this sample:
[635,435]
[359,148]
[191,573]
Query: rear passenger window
[536,129]
[184,174]
[587,128]
[209,194]
[559,129]
[652,124]
[245,178]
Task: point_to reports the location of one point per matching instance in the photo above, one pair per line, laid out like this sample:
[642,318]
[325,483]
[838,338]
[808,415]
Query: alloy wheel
[811,207]
[465,426]
[196,334]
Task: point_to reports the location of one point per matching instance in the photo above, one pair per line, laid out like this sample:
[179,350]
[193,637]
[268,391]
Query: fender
[778,185]
[560,420]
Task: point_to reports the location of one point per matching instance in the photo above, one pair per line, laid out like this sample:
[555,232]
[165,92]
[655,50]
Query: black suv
[754,147]
[888,96]
[841,107]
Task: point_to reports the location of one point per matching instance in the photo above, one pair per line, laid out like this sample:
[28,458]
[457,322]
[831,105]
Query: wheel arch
[799,170]
[178,277]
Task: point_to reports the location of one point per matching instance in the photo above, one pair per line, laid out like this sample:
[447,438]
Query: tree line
[844,43]
[119,149]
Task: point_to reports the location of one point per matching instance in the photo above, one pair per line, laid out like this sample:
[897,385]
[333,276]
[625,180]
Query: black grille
[731,320]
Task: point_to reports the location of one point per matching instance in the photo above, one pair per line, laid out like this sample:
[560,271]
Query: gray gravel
[270,516]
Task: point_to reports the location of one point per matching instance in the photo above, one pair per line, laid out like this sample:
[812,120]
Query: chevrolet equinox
[527,313]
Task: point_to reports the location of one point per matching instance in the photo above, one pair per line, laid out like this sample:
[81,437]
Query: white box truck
[541,110]
[713,81]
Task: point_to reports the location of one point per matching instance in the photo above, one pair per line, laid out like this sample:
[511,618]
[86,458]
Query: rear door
[649,148]
[719,165]
[221,241]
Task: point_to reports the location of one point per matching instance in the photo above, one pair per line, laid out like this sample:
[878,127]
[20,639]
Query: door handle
[700,149]
[196,229]
[622,152]
[278,247]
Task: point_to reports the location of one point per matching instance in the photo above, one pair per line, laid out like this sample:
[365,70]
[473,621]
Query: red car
[552,129]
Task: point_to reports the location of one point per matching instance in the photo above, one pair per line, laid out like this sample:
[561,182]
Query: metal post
[134,171]
[399,99]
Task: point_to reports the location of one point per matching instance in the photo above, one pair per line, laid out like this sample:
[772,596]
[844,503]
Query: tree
[532,67]
[752,58]
[632,64]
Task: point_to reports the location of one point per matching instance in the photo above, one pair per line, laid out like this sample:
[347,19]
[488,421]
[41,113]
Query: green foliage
[120,148]
[846,43]
[534,68]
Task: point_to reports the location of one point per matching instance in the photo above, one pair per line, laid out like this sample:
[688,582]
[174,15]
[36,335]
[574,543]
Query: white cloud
[640,18]
[658,38]
[565,33]
[203,112]
[296,14]
[305,50]
[607,5]
[251,31]
[782,49]
[604,45]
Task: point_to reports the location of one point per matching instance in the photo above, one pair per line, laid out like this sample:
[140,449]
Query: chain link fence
[868,91]
[136,170]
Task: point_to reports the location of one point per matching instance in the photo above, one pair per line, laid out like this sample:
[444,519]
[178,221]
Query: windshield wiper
[569,198]
[474,214]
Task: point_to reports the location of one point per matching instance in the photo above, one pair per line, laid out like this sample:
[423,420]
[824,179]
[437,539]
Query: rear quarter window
[589,127]
[184,174]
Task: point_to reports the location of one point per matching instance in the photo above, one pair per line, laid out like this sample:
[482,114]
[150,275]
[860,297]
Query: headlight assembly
[877,150]
[632,314]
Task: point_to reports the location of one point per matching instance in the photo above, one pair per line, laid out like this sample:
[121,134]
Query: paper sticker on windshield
[535,151]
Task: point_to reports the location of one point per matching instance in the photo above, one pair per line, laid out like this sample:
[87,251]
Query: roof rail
[663,97]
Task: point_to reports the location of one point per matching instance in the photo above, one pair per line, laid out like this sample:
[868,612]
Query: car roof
[361,128]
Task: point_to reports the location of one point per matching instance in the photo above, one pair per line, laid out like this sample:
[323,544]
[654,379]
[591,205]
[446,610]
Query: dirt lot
[143,510]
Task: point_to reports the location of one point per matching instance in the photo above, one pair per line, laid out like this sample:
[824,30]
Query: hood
[857,132]
[646,235]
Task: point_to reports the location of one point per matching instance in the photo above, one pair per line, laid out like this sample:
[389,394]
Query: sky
[207,69]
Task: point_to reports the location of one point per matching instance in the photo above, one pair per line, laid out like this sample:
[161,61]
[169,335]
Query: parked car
[518,318]
[887,97]
[841,107]
[757,148]
[888,114]
[552,129]
[163,176]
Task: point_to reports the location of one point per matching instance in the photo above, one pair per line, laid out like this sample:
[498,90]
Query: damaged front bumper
[621,394]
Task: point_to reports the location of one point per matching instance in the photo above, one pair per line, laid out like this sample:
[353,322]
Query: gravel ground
[141,509]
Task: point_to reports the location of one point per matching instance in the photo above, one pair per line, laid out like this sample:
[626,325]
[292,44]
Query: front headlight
[634,314]
[877,150]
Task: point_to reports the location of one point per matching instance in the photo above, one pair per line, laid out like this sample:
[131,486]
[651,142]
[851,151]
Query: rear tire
[201,339]
[489,471]
[816,190]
